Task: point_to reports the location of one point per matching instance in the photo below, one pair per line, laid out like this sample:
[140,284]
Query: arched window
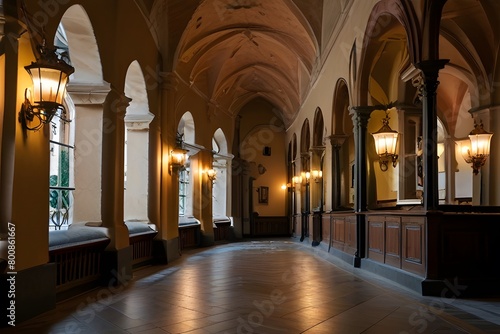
[61,178]
[186,135]
[137,120]
[221,164]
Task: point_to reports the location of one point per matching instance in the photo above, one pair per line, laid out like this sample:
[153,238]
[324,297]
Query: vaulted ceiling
[232,51]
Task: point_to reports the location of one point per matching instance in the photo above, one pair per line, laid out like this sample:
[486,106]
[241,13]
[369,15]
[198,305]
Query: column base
[207,239]
[166,251]
[117,266]
[35,293]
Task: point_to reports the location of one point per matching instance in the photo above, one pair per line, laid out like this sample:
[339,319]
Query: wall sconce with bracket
[317,175]
[305,176]
[49,75]
[478,149]
[211,174]
[386,140]
[178,158]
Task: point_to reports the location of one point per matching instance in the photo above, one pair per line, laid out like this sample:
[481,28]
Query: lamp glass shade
[385,140]
[480,144]
[49,82]
[212,173]
[178,157]
[317,174]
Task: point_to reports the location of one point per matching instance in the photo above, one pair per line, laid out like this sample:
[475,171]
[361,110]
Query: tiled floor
[261,287]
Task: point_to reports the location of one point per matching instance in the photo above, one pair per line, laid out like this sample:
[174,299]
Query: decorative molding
[88,93]
[137,122]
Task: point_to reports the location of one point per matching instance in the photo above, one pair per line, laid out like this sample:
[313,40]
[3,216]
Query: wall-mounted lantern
[386,140]
[211,174]
[50,76]
[478,148]
[178,158]
[305,176]
[317,175]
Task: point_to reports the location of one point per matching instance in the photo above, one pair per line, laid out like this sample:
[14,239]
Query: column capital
[88,94]
[361,110]
[430,68]
[360,116]
[169,80]
[138,121]
[337,141]
[119,102]
[317,149]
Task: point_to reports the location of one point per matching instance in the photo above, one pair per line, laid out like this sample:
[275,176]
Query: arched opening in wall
[221,185]
[186,132]
[317,160]
[342,140]
[388,76]
[75,176]
[466,88]
[137,120]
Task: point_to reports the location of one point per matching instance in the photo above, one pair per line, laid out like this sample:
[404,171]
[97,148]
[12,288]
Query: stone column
[167,243]
[202,195]
[360,117]
[316,194]
[450,167]
[119,254]
[430,69]
[336,141]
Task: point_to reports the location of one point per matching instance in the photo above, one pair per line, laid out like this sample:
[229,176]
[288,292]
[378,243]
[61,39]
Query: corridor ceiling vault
[233,51]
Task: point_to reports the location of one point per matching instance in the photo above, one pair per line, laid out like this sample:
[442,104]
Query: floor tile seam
[382,319]
[455,321]
[331,317]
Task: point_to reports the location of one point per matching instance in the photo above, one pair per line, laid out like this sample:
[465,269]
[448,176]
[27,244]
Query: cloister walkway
[261,286]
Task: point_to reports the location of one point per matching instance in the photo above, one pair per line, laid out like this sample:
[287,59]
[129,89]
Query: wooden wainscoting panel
[376,238]
[344,233]
[414,244]
[393,241]
[351,228]
[339,230]
[325,221]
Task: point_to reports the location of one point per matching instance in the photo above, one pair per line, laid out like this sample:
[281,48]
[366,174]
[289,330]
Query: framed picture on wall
[264,195]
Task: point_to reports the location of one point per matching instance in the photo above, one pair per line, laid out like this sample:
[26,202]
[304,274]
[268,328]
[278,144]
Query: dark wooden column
[337,141]
[430,69]
[360,117]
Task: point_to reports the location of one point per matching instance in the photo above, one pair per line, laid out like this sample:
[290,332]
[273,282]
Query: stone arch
[390,22]
[340,110]
[84,51]
[220,141]
[319,126]
[305,138]
[87,92]
[187,128]
[136,160]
